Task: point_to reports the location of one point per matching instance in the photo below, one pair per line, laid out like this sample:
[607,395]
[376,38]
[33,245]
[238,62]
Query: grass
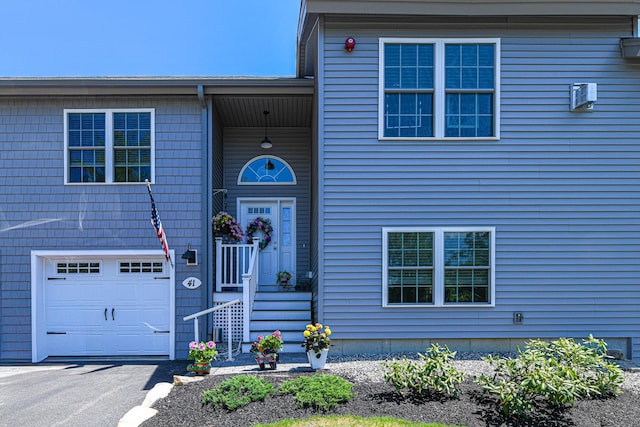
[336,421]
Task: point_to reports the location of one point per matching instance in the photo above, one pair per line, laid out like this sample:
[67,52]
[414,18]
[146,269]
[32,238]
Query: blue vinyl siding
[561,188]
[96,216]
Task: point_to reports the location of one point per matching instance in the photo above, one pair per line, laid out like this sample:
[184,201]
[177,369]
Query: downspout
[205,207]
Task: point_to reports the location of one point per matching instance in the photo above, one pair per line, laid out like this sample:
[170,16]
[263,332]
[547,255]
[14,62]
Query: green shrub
[559,372]
[433,372]
[238,391]
[318,391]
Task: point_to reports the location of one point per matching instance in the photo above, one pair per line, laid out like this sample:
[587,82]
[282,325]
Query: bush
[238,391]
[433,372]
[318,391]
[559,372]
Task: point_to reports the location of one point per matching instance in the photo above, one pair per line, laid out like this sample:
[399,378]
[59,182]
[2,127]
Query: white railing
[249,288]
[233,260]
[237,266]
[195,317]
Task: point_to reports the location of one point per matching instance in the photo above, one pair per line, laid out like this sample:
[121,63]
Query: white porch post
[218,264]
[246,306]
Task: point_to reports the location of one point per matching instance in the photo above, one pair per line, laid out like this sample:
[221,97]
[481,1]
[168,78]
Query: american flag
[157,225]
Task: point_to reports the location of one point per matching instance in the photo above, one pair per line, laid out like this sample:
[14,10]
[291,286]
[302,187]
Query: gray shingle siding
[561,188]
[88,216]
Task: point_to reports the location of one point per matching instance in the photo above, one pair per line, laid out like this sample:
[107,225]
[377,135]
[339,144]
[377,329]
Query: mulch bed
[473,408]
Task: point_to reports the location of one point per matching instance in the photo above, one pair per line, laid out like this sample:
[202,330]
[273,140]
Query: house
[457,172]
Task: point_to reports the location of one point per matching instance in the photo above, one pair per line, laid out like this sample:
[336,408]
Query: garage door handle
[105,314]
[112,316]
[160,332]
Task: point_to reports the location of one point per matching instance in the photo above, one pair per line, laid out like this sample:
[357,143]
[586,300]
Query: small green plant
[559,372]
[433,372]
[267,343]
[318,391]
[238,391]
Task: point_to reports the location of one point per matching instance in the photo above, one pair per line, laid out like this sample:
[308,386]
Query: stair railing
[195,317]
[233,260]
[249,288]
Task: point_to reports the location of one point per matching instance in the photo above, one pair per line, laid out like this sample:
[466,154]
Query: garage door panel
[73,343]
[111,313]
[76,318]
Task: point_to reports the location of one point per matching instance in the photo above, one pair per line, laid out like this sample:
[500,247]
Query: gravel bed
[373,397]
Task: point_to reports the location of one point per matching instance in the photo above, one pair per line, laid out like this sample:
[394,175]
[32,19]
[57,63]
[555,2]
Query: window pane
[467,267]
[409,115]
[267,170]
[131,130]
[409,294]
[395,295]
[463,118]
[469,55]
[452,55]
[410,267]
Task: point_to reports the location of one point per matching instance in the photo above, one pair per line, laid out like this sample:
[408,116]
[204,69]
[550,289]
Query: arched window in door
[266,170]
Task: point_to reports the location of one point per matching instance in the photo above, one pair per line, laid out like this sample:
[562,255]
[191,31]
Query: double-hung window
[109,146]
[439,89]
[438,267]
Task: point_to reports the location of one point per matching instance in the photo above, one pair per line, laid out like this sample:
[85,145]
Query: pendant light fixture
[266,143]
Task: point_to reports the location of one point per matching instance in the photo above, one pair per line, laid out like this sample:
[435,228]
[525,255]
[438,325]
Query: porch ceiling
[247,111]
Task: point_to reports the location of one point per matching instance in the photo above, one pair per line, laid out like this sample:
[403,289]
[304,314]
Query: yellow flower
[324,336]
[327,331]
[306,334]
[318,326]
[309,327]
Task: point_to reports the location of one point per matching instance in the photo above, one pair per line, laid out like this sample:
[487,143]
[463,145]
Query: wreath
[260,224]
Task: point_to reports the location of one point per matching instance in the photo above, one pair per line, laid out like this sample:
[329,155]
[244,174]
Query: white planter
[317,362]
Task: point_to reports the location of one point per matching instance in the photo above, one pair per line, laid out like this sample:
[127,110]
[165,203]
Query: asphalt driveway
[78,394]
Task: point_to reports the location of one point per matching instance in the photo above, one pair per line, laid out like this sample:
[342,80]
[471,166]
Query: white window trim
[438,270]
[439,88]
[108,147]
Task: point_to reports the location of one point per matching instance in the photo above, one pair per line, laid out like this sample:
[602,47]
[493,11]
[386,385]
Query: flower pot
[317,360]
[200,368]
[267,357]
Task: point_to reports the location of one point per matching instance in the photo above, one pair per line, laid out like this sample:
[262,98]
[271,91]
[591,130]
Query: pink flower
[260,337]
[193,345]
[211,344]
[202,346]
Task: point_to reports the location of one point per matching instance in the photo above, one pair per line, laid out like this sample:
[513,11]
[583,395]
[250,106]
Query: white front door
[107,306]
[279,253]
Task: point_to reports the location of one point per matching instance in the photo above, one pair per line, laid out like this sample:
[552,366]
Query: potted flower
[202,354]
[225,226]
[283,278]
[265,350]
[317,342]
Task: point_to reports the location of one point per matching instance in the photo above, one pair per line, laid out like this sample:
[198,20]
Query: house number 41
[191,283]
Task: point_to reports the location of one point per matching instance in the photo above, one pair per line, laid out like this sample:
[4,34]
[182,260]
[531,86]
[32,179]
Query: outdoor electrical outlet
[518,318]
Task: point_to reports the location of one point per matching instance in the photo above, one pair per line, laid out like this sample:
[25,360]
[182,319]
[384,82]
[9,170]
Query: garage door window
[78,268]
[141,267]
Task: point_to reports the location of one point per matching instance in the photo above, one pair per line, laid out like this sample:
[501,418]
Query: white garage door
[107,306]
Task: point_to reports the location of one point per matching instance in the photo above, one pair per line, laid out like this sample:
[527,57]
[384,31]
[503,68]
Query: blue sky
[76,38]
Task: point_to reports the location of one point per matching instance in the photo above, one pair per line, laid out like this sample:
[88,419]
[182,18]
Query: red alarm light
[349,44]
